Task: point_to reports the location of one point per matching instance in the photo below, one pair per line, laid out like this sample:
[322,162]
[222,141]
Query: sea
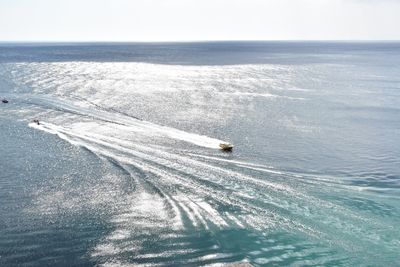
[124,167]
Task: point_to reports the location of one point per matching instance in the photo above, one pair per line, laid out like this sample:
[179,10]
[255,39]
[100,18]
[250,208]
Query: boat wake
[181,191]
[171,197]
[126,123]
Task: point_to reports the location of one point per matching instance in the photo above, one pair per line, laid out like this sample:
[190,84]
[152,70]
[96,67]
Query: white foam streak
[135,125]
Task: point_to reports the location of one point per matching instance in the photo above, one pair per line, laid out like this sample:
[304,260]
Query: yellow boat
[226,146]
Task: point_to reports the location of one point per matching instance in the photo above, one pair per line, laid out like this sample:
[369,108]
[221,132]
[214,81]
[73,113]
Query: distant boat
[5,101]
[226,146]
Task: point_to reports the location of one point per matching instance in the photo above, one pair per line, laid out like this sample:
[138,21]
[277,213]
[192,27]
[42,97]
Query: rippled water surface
[124,168]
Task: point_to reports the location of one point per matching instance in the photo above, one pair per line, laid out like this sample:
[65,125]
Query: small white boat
[226,146]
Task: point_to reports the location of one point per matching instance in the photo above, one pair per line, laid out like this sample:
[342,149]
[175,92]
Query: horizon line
[199,41]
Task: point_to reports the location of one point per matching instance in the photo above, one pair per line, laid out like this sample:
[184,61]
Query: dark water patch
[203,53]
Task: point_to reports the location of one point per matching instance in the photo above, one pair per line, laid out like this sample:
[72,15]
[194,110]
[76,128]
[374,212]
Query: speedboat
[5,101]
[226,146]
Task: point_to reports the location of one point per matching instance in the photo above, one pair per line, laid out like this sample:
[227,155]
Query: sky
[198,20]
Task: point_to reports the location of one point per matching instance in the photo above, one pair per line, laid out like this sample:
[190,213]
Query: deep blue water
[125,170]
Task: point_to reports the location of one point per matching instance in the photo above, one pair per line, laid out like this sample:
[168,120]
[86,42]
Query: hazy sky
[179,20]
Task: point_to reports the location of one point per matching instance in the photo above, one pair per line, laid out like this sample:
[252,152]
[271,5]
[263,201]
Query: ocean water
[124,168]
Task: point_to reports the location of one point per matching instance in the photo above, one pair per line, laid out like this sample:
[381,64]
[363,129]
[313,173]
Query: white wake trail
[133,124]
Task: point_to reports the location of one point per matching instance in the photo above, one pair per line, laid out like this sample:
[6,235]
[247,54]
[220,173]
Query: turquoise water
[124,168]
